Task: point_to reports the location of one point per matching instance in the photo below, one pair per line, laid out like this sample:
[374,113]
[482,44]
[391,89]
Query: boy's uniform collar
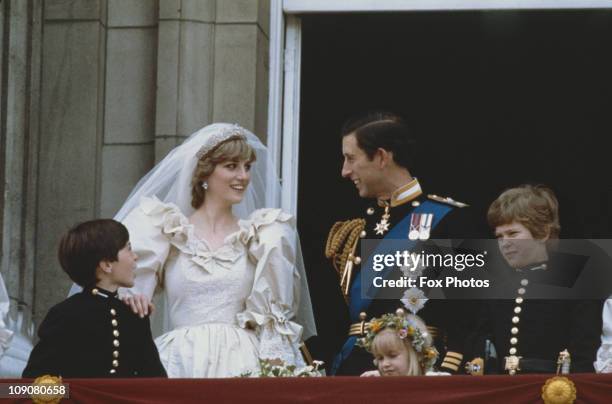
[98,291]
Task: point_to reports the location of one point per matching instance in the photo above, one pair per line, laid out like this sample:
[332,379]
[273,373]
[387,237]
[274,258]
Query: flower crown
[405,328]
[233,131]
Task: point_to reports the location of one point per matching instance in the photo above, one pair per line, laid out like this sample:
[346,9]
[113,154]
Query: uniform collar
[404,194]
[98,291]
[540,266]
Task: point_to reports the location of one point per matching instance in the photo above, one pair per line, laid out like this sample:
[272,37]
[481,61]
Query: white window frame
[285,63]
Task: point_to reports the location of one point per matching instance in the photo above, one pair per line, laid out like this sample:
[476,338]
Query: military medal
[415,222]
[425,229]
[383,226]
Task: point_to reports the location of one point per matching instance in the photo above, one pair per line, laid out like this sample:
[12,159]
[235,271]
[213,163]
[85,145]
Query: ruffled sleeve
[153,227]
[603,362]
[274,299]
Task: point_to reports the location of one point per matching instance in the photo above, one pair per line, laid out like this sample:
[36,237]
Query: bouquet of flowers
[278,368]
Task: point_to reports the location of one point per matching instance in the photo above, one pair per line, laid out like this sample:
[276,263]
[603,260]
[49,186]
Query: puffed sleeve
[603,362]
[151,225]
[274,299]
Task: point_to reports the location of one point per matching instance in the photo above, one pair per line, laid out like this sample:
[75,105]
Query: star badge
[381,227]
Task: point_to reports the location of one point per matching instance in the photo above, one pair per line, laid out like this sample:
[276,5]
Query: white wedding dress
[226,307]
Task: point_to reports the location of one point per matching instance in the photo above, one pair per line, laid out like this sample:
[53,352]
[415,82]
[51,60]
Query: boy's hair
[534,206]
[85,245]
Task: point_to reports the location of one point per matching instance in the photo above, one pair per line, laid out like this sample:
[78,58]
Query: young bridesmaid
[400,344]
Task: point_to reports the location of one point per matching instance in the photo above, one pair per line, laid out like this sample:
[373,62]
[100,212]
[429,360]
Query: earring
[205,185]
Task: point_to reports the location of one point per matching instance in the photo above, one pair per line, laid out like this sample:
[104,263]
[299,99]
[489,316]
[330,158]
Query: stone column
[72,129]
[241,64]
[20,36]
[129,99]
[185,70]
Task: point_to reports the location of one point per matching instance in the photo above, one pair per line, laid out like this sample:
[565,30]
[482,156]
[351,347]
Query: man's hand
[140,304]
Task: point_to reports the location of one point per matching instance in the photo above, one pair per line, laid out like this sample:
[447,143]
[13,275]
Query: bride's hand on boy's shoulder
[370,373]
[140,304]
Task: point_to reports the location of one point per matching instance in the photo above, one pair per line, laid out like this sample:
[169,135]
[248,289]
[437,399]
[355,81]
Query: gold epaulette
[452,361]
[340,249]
[447,200]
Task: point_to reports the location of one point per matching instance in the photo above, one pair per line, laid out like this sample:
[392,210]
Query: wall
[97,92]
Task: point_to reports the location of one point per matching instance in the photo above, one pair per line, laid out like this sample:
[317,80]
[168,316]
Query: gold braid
[331,246]
[341,243]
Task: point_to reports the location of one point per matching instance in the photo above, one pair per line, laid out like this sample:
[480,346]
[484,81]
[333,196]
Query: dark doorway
[496,98]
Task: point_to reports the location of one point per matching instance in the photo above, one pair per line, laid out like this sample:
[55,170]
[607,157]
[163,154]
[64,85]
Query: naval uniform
[447,321]
[94,334]
[529,332]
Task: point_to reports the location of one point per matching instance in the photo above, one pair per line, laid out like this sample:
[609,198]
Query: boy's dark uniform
[94,334]
[449,322]
[534,330]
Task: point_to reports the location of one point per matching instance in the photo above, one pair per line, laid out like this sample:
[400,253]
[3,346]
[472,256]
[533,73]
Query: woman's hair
[233,149]
[533,206]
[83,247]
[389,340]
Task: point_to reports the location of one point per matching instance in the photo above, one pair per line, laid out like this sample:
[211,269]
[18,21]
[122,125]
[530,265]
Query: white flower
[414,269]
[414,300]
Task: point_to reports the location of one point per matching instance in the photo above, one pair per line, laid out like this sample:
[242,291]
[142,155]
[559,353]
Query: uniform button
[115,333]
[362,234]
[521,291]
[518,300]
[514,330]
[415,203]
[370,211]
[524,282]
[515,319]
[115,363]
[113,371]
[357,260]
[513,340]
[114,322]
[512,351]
[113,312]
[115,354]
[116,342]
[517,309]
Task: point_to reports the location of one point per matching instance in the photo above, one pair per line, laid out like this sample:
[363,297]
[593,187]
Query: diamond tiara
[229,132]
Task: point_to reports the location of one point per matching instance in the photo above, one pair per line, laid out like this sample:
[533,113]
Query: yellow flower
[410,331]
[375,326]
[430,353]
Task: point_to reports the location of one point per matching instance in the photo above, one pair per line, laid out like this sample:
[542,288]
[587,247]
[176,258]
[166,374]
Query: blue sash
[358,303]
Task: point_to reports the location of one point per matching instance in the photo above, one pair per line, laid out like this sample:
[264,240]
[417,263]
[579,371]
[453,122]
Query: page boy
[93,333]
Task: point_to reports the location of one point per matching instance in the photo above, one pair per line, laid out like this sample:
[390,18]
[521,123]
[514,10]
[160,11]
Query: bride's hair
[233,149]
